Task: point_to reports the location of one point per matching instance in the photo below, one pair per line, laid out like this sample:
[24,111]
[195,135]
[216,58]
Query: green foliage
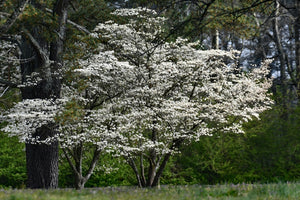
[268,152]
[9,98]
[12,153]
[12,162]
[90,12]
[212,160]
[110,171]
[274,145]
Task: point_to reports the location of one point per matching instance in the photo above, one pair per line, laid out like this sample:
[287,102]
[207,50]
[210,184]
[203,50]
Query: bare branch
[79,27]
[4,91]
[135,169]
[46,62]
[37,48]
[11,38]
[4,14]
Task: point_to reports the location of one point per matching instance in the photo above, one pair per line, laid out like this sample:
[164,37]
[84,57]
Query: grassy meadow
[228,191]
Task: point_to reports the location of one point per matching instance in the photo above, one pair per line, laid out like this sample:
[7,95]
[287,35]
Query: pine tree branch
[13,17]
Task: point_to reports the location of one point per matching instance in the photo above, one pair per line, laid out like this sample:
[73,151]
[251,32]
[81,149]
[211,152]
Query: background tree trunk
[42,159]
[42,163]
[281,54]
[297,44]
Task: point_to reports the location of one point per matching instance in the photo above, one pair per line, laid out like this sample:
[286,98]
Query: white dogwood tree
[144,97]
[167,93]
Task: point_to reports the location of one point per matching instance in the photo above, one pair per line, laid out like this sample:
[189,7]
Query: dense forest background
[269,151]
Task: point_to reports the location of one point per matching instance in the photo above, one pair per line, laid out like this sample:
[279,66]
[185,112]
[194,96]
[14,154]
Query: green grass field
[241,191]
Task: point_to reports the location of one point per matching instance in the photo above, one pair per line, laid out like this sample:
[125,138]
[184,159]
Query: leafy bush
[269,151]
[12,162]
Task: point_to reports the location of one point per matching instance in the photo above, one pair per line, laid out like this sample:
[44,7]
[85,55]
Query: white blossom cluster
[142,95]
[29,115]
[9,63]
[139,12]
[157,93]
[10,67]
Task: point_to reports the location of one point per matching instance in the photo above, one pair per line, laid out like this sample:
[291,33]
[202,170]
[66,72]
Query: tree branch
[79,27]
[136,171]
[4,14]
[37,48]
[4,91]
[161,169]
[8,83]
[70,162]
[143,181]
[93,164]
[46,62]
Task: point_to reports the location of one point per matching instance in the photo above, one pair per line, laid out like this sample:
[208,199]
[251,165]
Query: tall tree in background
[36,31]
[28,25]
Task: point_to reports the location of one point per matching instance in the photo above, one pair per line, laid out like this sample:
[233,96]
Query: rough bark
[42,159]
[42,162]
[297,44]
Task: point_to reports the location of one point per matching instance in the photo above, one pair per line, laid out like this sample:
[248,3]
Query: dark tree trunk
[297,44]
[42,159]
[42,162]
[282,57]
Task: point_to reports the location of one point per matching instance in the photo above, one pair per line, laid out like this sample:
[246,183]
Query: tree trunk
[281,54]
[79,182]
[160,170]
[42,159]
[42,163]
[215,42]
[297,44]
[136,171]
